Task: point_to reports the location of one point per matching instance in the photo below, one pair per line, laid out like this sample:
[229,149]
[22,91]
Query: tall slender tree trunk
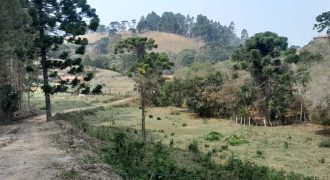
[301,108]
[44,62]
[46,84]
[143,107]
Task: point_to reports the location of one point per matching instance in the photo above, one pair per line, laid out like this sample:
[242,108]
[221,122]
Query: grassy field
[167,42]
[292,148]
[116,86]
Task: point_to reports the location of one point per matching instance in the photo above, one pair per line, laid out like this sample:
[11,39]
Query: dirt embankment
[36,149]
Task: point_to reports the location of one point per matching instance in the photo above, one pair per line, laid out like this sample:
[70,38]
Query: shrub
[151,116]
[236,140]
[193,147]
[158,118]
[184,124]
[224,147]
[325,143]
[286,144]
[213,136]
[322,161]
[171,143]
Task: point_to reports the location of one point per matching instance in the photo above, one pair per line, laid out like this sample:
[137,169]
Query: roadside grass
[132,158]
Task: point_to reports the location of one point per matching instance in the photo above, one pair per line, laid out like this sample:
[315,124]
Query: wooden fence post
[265,122]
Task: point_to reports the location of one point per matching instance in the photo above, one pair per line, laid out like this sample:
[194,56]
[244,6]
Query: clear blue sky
[291,18]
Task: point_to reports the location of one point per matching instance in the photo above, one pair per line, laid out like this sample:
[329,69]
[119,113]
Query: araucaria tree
[262,55]
[147,69]
[323,22]
[54,22]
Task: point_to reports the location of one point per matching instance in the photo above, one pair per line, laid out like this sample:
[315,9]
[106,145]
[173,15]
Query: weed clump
[325,143]
[213,136]
[236,140]
[193,147]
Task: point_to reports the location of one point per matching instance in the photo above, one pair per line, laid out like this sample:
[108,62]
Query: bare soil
[30,149]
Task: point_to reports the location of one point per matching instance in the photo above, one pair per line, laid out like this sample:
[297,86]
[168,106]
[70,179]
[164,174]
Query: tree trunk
[301,108]
[143,114]
[46,84]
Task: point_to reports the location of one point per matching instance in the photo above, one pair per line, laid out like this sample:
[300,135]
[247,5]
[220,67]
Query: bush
[9,100]
[213,136]
[236,140]
[184,124]
[193,147]
[325,143]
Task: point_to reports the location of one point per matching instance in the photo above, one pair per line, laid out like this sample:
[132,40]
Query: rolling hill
[167,42]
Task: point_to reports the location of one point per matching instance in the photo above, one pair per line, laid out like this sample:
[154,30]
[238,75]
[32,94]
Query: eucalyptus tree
[56,22]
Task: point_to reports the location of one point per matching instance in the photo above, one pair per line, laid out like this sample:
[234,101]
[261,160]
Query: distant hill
[167,42]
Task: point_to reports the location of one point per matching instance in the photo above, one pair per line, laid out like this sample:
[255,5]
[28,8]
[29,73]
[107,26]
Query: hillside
[319,84]
[167,42]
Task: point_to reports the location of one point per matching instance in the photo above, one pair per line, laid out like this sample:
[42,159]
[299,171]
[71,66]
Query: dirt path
[27,152]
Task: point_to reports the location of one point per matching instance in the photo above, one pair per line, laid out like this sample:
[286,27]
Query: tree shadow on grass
[323,132]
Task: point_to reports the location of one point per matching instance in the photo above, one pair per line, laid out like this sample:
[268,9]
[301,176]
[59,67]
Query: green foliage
[259,154]
[203,95]
[262,55]
[97,89]
[171,93]
[134,159]
[193,147]
[325,143]
[323,22]
[9,100]
[236,140]
[187,57]
[213,136]
[208,30]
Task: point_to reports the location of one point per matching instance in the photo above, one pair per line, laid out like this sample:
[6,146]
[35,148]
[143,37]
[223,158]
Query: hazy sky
[291,18]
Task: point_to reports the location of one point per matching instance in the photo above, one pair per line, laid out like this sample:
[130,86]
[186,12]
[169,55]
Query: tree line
[189,26]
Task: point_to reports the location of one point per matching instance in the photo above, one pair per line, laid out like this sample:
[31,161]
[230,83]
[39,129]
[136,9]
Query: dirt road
[27,151]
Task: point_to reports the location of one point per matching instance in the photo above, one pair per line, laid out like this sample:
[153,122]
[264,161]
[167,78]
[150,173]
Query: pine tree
[55,22]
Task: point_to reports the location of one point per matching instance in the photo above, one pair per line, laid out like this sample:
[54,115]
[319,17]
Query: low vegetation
[134,158]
